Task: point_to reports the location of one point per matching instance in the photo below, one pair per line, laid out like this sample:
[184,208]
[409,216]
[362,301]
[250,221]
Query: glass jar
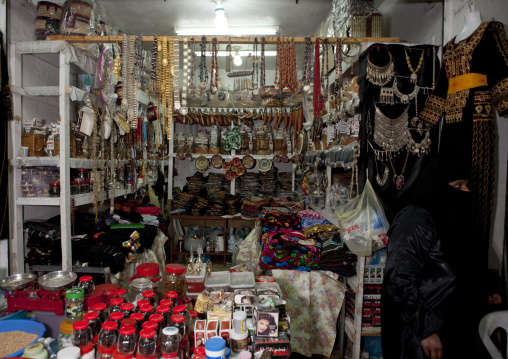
[81,174]
[146,310]
[182,310]
[64,337]
[122,293]
[151,326]
[147,344]
[172,296]
[138,286]
[151,271]
[87,284]
[150,296]
[127,309]
[115,305]
[170,340]
[126,340]
[81,334]
[160,320]
[165,312]
[117,317]
[128,322]
[54,189]
[166,303]
[108,337]
[141,303]
[94,322]
[175,279]
[83,187]
[101,309]
[74,304]
[27,189]
[74,187]
[178,321]
[139,318]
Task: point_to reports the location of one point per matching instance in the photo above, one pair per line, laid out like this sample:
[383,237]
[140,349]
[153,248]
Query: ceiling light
[238,59]
[230,31]
[221,23]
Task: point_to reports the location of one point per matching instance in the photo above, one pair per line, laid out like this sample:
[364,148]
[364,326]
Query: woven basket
[49,10]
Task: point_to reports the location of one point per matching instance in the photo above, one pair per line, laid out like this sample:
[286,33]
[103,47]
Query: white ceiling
[146,17]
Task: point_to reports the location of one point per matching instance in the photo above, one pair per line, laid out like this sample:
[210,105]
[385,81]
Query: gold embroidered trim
[455,102]
[433,109]
[500,96]
[501,41]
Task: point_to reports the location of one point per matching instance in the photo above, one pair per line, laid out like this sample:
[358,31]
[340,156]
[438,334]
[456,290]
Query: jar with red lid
[87,284]
[117,317]
[137,287]
[128,322]
[126,340]
[182,309]
[108,338]
[172,296]
[142,302]
[82,338]
[126,308]
[178,321]
[108,291]
[150,296]
[139,318]
[146,310]
[166,303]
[172,355]
[187,302]
[170,341]
[54,189]
[101,309]
[151,271]
[94,322]
[174,279]
[122,293]
[198,351]
[151,325]
[147,344]
[115,304]
[166,313]
[160,320]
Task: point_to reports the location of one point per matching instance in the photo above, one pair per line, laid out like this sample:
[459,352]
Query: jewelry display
[285,67]
[307,65]
[263,64]
[171,80]
[420,148]
[386,95]
[380,75]
[255,66]
[153,62]
[414,72]
[317,99]
[324,67]
[398,179]
[404,98]
[339,80]
[391,134]
[192,66]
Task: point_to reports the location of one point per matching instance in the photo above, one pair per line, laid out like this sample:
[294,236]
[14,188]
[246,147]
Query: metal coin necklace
[414,72]
[391,134]
[380,75]
[404,98]
[203,74]
[307,66]
[380,156]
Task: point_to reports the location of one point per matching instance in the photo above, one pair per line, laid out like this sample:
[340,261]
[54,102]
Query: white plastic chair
[488,324]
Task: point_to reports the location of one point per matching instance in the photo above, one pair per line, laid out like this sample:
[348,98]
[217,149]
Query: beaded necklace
[214,73]
[263,77]
[171,79]
[307,67]
[255,66]
[185,76]
[317,99]
[339,81]
[203,74]
[153,62]
[228,57]
[192,66]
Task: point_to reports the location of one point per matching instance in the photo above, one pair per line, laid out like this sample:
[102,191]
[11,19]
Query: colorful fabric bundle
[289,249]
[275,220]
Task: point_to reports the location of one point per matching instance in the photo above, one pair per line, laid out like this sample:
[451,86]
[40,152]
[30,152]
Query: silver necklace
[380,75]
[391,134]
[404,98]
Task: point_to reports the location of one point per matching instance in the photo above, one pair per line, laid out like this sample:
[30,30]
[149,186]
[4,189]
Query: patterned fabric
[281,250]
[249,249]
[273,220]
[314,300]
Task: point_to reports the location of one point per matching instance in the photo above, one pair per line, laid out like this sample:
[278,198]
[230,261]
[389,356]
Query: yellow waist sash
[467,81]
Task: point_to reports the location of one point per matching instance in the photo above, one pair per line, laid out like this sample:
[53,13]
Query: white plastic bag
[362,222]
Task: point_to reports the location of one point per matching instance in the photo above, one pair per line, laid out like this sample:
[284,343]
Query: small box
[279,347]
[269,289]
[266,322]
[225,330]
[217,281]
[243,303]
[212,327]
[242,280]
[200,332]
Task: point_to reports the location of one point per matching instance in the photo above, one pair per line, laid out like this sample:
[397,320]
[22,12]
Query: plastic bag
[363,223]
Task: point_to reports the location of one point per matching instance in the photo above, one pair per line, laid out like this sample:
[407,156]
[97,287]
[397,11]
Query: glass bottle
[116,317]
[127,340]
[147,344]
[108,338]
[182,309]
[115,304]
[94,322]
[87,284]
[82,338]
[170,340]
[146,310]
[101,309]
[127,309]
[74,304]
[122,293]
[150,296]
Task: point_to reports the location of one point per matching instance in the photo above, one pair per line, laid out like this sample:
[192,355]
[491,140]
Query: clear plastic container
[146,310]
[115,305]
[83,186]
[151,272]
[54,189]
[182,310]
[175,279]
[242,280]
[139,318]
[151,325]
[217,281]
[127,340]
[74,304]
[138,286]
[147,343]
[87,284]
[82,174]
[128,322]
[74,187]
[160,320]
[170,340]
[64,337]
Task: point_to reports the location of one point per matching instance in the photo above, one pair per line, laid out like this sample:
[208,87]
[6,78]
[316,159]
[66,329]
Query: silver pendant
[399,181]
[381,181]
[414,78]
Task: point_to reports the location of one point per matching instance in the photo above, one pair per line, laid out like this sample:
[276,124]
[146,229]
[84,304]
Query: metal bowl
[17,281]
[55,281]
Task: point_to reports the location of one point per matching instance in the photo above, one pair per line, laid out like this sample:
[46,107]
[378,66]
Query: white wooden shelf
[371,331]
[54,161]
[38,201]
[350,329]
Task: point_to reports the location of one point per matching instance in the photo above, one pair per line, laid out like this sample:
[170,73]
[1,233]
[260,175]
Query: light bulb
[238,59]
[221,23]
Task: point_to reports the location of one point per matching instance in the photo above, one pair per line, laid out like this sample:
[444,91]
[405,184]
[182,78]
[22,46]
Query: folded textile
[276,220]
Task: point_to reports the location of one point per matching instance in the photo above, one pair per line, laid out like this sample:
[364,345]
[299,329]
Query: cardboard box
[279,347]
[243,303]
[225,330]
[212,328]
[266,322]
[220,316]
[200,332]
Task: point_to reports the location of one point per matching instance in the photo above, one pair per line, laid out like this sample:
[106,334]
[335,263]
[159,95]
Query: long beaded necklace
[153,62]
[339,82]
[278,63]
[391,134]
[185,76]
[307,66]
[414,72]
[203,74]
[176,72]
[171,79]
[255,65]
[380,75]
[324,66]
[192,66]
[317,99]
[214,72]
[228,57]
[263,77]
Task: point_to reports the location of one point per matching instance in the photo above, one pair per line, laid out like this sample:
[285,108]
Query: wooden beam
[222,39]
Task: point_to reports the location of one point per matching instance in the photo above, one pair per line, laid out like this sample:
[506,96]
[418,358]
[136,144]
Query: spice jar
[146,310]
[117,317]
[115,305]
[87,284]
[126,308]
[150,296]
[159,319]
[64,337]
[166,303]
[54,189]
[101,309]
[182,310]
[138,286]
[151,271]
[147,344]
[170,340]
[139,318]
[74,304]
[173,296]
[82,338]
[178,321]
[93,322]
[122,293]
[175,279]
[165,312]
[108,338]
[126,340]
[74,187]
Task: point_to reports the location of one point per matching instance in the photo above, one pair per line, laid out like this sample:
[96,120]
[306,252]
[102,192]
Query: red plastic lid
[177,318]
[179,309]
[126,306]
[116,301]
[175,268]
[200,357]
[110,325]
[146,308]
[172,295]
[74,182]
[85,349]
[137,316]
[117,355]
[156,318]
[120,292]
[80,325]
[82,169]
[147,333]
[99,307]
[162,309]
[172,355]
[147,270]
[193,313]
[91,316]
[150,325]
[143,302]
[103,350]
[117,316]
[166,303]
[128,330]
[85,278]
[128,322]
[54,184]
[199,350]
[148,294]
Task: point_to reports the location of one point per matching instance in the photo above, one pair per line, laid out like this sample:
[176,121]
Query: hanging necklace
[391,134]
[317,98]
[404,98]
[214,73]
[414,73]
[398,179]
[380,156]
[307,67]
[228,57]
[324,67]
[278,64]
[255,65]
[339,81]
[176,72]
[192,66]
[203,74]
[263,77]
[380,75]
[185,75]
[153,61]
